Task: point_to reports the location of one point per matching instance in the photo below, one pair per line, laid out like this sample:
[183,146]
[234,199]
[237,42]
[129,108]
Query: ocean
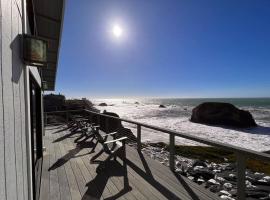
[176,117]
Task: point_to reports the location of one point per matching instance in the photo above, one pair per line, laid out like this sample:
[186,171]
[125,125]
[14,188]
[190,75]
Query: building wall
[15,172]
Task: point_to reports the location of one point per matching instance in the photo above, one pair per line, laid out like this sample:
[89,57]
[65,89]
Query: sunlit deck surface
[69,174]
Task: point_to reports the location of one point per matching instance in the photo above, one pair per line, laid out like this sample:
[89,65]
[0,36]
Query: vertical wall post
[139,141]
[172,151]
[241,176]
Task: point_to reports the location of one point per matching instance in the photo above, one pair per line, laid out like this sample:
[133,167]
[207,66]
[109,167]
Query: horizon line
[157,97]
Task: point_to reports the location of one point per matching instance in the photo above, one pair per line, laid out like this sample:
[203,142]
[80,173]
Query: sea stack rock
[102,104]
[225,114]
[162,106]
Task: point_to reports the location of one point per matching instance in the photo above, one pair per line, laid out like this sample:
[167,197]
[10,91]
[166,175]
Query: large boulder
[102,104]
[226,114]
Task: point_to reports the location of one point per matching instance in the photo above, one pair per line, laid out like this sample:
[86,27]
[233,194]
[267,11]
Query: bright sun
[117,31]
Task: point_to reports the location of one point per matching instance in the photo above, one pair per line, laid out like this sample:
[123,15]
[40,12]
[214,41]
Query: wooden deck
[69,174]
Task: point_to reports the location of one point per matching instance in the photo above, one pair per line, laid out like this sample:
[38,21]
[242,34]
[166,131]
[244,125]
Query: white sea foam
[176,117]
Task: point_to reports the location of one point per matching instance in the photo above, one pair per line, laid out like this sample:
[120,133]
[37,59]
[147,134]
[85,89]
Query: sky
[165,48]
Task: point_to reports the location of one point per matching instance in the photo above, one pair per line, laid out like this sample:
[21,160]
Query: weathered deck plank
[73,186]
[114,184]
[62,178]
[45,181]
[109,189]
[73,176]
[162,174]
[54,184]
[86,175]
[80,176]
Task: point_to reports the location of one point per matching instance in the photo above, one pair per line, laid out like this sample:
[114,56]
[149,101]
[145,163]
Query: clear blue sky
[168,48]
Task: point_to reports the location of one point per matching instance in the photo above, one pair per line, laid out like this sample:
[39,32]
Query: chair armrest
[116,140]
[91,124]
[109,134]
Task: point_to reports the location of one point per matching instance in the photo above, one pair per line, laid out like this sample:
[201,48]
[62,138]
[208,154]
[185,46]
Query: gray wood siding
[23,121]
[13,136]
[2,136]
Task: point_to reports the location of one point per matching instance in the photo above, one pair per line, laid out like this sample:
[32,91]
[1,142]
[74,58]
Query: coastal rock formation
[58,102]
[102,104]
[162,106]
[201,172]
[78,104]
[215,113]
[53,102]
[219,178]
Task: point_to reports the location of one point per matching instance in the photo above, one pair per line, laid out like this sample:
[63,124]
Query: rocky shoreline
[219,178]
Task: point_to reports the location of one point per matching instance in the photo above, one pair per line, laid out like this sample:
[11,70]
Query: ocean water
[176,117]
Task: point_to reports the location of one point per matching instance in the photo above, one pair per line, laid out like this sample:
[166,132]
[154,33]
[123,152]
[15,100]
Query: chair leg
[94,147]
[124,152]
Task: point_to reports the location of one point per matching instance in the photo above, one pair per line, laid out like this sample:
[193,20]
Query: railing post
[98,120]
[118,125]
[241,176]
[172,151]
[90,117]
[106,125]
[67,115]
[45,119]
[139,141]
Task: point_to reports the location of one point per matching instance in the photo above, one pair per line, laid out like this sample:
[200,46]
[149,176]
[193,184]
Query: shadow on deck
[68,173]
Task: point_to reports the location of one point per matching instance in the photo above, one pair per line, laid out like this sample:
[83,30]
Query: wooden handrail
[242,154]
[247,152]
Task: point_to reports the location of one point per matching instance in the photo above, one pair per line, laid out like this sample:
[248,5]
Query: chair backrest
[108,148]
[113,124]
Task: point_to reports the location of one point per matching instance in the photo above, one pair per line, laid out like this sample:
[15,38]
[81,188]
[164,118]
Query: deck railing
[242,154]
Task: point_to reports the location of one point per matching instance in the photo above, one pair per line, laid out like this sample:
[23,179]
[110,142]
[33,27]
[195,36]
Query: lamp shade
[34,51]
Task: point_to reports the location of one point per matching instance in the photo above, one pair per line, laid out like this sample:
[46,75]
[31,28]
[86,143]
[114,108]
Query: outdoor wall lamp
[34,50]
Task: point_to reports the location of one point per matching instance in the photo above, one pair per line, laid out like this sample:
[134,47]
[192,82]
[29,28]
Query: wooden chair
[114,148]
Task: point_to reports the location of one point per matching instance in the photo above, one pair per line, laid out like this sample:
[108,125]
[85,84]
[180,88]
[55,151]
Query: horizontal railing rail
[242,154]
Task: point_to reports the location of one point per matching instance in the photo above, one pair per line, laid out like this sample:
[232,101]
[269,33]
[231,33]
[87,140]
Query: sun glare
[117,31]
